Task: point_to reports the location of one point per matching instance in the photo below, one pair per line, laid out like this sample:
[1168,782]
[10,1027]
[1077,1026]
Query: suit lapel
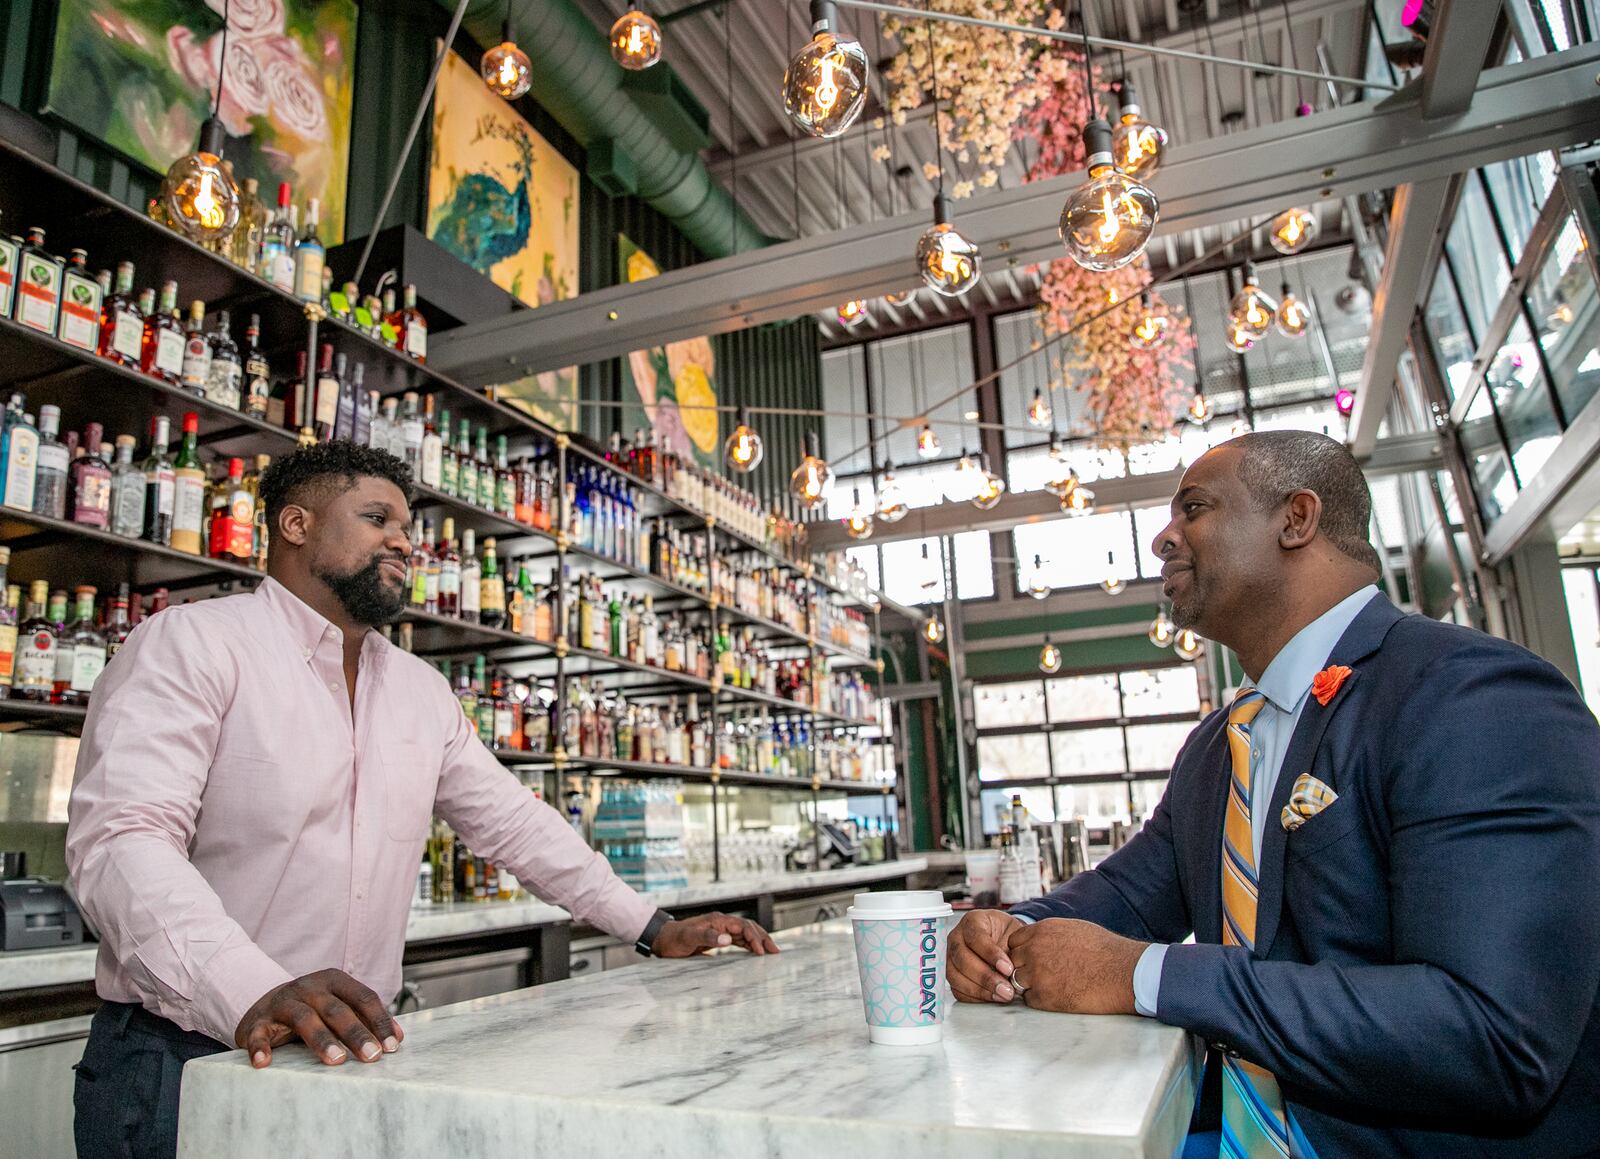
[1364,636]
[1207,906]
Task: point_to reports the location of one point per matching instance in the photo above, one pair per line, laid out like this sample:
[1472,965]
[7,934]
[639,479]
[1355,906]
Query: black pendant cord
[222,61]
[1088,61]
[733,143]
[938,124]
[794,141]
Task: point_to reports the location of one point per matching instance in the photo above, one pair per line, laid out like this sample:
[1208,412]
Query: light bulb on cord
[965,480]
[1137,145]
[825,85]
[1199,412]
[1251,311]
[1107,222]
[900,297]
[811,481]
[891,502]
[1078,501]
[928,445]
[1063,479]
[1238,340]
[932,630]
[1293,230]
[1294,316]
[1039,409]
[635,41]
[1150,330]
[1113,584]
[990,487]
[1162,629]
[743,449]
[852,313]
[1187,645]
[950,264]
[506,69]
[858,524]
[1038,582]
[1049,658]
[199,196]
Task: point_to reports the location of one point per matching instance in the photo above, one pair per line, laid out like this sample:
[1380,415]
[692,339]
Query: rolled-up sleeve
[147,748]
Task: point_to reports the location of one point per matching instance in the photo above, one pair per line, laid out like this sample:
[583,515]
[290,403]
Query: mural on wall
[670,389]
[140,75]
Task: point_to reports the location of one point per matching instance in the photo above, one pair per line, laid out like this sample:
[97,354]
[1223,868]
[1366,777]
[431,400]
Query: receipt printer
[37,915]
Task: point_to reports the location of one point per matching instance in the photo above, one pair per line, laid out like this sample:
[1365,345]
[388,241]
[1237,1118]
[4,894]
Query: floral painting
[500,197]
[670,389]
[140,75]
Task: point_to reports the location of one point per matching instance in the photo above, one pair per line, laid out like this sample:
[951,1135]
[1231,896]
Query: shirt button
[1258,754]
[306,652]
[334,684]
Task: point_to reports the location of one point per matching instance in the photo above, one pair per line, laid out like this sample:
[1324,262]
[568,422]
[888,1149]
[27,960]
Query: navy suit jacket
[1427,955]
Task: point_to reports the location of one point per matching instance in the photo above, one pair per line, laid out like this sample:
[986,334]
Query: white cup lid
[896,903]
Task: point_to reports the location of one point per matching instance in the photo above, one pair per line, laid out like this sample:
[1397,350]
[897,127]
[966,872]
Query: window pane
[1146,796]
[1519,187]
[1099,805]
[974,565]
[1074,698]
[1153,747]
[1386,512]
[1583,608]
[866,558]
[1073,552]
[1016,335]
[1031,469]
[1563,303]
[1320,417]
[844,386]
[1083,752]
[1447,324]
[1482,272]
[1148,523]
[996,805]
[916,371]
[913,572]
[1523,402]
[1001,704]
[1005,758]
[1161,691]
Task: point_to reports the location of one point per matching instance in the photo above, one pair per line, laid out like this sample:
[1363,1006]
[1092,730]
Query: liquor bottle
[91,482]
[431,452]
[118,625]
[189,490]
[492,600]
[244,246]
[127,491]
[257,375]
[38,285]
[416,565]
[225,378]
[50,477]
[195,370]
[10,253]
[162,349]
[160,484]
[8,625]
[449,465]
[366,405]
[277,246]
[466,465]
[409,325]
[81,654]
[344,422]
[259,534]
[121,322]
[21,454]
[485,470]
[505,480]
[287,407]
[233,521]
[449,571]
[471,577]
[480,686]
[383,420]
[649,634]
[325,404]
[309,257]
[520,602]
[411,432]
[544,614]
[80,304]
[34,675]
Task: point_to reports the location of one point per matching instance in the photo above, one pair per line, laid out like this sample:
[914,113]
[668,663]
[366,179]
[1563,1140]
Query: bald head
[1275,464]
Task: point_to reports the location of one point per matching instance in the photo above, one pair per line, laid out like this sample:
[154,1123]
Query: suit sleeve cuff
[1147,980]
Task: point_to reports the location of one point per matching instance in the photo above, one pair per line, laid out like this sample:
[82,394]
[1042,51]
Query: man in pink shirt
[254,788]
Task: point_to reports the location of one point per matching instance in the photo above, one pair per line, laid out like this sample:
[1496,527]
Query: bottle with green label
[79,323]
[38,285]
[10,250]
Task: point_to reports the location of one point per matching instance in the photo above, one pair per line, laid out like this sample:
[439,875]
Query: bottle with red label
[233,522]
[38,284]
[33,677]
[80,305]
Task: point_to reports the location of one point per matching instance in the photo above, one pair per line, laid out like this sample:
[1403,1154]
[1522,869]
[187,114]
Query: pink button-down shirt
[233,826]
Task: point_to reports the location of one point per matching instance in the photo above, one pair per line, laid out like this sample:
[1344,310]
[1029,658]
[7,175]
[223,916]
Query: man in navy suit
[1392,876]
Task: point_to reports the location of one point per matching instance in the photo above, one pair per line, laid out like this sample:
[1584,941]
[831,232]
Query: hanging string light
[743,448]
[858,524]
[199,195]
[928,444]
[1150,331]
[1138,145]
[505,68]
[950,264]
[1049,657]
[932,630]
[635,40]
[1251,311]
[1078,501]
[1237,339]
[932,573]
[990,486]
[1162,630]
[1187,645]
[1294,316]
[1062,479]
[965,480]
[852,313]
[1038,581]
[1039,413]
[891,501]
[1199,411]
[825,86]
[812,480]
[900,297]
[1113,584]
[1292,230]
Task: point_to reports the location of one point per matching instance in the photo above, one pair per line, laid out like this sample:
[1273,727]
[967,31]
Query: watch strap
[652,930]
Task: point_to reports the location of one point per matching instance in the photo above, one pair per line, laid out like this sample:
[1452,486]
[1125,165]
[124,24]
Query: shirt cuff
[236,978]
[1147,979]
[1025,919]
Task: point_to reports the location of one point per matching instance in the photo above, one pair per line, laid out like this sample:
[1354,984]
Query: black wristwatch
[652,930]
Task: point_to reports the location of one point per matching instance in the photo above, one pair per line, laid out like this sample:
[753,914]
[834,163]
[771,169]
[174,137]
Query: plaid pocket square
[1309,798]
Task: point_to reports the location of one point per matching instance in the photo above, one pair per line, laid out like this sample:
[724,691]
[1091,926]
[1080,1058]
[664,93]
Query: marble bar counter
[777,884]
[730,1055]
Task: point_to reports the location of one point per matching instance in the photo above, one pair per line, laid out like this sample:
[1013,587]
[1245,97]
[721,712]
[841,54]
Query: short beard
[363,595]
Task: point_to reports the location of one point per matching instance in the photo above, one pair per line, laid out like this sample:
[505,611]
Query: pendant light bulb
[635,41]
[928,445]
[932,630]
[1162,629]
[852,313]
[743,448]
[1294,316]
[506,69]
[1293,230]
[1107,222]
[1049,658]
[1113,584]
[825,86]
[199,196]
[1078,501]
[1150,330]
[1251,311]
[1199,412]
[900,297]
[1238,340]
[812,480]
[1039,409]
[1138,146]
[1038,581]
[965,480]
[858,524]
[1187,645]
[891,501]
[950,264]
[990,487]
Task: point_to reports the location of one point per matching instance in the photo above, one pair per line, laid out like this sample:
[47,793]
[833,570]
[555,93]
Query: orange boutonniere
[1327,683]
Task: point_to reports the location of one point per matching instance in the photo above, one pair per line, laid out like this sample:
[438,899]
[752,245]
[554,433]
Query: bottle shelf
[792,707]
[650,769]
[46,548]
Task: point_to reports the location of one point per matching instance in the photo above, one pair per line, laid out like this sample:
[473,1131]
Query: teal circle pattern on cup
[902,970]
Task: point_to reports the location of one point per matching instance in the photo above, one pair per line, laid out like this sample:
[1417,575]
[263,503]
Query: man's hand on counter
[1074,967]
[700,935]
[977,961]
[329,1011]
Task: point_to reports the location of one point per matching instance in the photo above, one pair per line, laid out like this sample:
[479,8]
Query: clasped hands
[1060,964]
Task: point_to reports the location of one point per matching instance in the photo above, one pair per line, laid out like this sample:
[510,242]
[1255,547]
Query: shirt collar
[309,628]
[1288,678]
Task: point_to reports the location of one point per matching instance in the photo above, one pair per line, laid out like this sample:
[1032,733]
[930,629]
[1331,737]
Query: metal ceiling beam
[1458,47]
[1544,103]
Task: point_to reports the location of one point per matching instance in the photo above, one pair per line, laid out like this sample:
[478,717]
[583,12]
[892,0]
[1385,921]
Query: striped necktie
[1254,1124]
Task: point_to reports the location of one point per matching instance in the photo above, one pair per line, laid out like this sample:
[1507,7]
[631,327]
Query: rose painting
[140,75]
[670,389]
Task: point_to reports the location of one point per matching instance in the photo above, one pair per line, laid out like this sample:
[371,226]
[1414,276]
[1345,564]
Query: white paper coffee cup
[900,947]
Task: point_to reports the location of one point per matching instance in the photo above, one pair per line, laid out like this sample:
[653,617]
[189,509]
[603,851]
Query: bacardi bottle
[35,672]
